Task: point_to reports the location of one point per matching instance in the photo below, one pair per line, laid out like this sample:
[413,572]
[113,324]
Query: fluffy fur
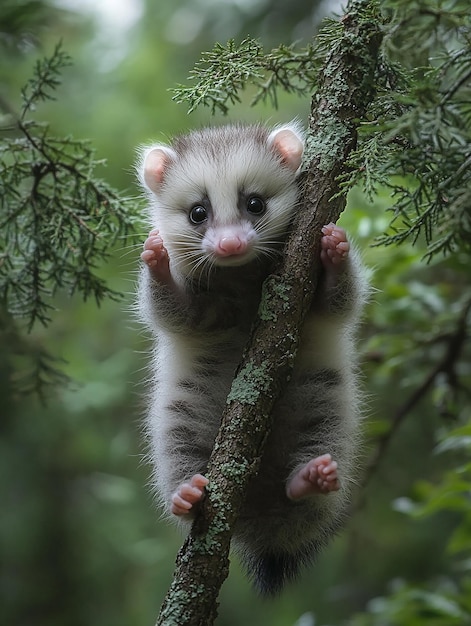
[201,319]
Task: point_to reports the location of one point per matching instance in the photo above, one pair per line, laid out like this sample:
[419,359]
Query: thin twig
[446,365]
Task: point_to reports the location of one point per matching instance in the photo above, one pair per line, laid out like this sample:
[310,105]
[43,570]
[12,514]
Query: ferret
[221,201]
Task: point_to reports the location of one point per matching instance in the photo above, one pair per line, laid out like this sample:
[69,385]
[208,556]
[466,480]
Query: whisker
[189,257]
[266,229]
[130,251]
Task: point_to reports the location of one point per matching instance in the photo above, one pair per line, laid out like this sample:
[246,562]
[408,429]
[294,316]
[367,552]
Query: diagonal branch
[446,365]
[345,89]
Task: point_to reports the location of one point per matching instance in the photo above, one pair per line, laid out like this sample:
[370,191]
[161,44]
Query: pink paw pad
[155,256]
[334,245]
[323,473]
[318,477]
[187,495]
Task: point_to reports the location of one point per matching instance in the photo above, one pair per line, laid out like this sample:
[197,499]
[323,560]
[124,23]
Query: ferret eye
[255,205]
[198,214]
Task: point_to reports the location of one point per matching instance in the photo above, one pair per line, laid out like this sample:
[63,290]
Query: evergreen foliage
[58,221]
[226,70]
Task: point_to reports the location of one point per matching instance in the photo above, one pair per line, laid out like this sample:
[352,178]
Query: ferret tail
[271,571]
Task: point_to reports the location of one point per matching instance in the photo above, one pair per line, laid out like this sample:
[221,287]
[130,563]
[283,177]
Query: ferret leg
[342,287]
[155,256]
[319,476]
[188,494]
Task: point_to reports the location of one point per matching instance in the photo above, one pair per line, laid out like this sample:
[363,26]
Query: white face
[222,218]
[222,203]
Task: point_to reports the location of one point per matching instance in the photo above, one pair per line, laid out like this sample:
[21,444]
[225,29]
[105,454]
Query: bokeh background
[82,541]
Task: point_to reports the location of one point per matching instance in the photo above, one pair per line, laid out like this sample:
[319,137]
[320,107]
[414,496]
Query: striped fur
[201,326]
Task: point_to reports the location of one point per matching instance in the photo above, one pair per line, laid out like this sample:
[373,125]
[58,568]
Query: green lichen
[206,544]
[210,541]
[175,611]
[343,84]
[283,291]
[234,470]
[249,384]
[326,147]
[273,286]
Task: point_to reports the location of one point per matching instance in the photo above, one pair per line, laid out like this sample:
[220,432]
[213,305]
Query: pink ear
[155,164]
[289,145]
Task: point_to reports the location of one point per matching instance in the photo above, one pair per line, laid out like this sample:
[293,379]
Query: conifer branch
[57,221]
[223,72]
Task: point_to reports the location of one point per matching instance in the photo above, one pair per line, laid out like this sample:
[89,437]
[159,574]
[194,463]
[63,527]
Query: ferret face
[223,196]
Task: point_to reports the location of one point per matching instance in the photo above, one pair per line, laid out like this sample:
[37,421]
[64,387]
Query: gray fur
[201,327]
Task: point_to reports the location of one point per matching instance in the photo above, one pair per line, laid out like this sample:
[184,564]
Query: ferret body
[221,201]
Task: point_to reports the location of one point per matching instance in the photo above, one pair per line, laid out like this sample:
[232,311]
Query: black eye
[198,214]
[256,205]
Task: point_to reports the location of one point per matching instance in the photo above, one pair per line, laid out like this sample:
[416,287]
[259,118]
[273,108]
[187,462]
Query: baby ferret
[221,201]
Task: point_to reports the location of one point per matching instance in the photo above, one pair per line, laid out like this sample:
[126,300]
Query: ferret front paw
[334,246]
[187,495]
[319,476]
[155,256]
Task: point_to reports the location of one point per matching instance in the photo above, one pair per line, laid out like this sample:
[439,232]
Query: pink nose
[231,245]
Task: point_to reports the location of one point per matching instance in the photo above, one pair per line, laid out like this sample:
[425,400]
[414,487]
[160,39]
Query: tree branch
[446,365]
[345,89]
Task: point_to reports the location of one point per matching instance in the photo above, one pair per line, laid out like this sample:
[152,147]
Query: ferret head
[222,196]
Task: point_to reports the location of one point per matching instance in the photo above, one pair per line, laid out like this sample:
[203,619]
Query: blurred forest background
[81,540]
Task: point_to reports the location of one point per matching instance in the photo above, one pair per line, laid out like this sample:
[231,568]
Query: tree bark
[346,86]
